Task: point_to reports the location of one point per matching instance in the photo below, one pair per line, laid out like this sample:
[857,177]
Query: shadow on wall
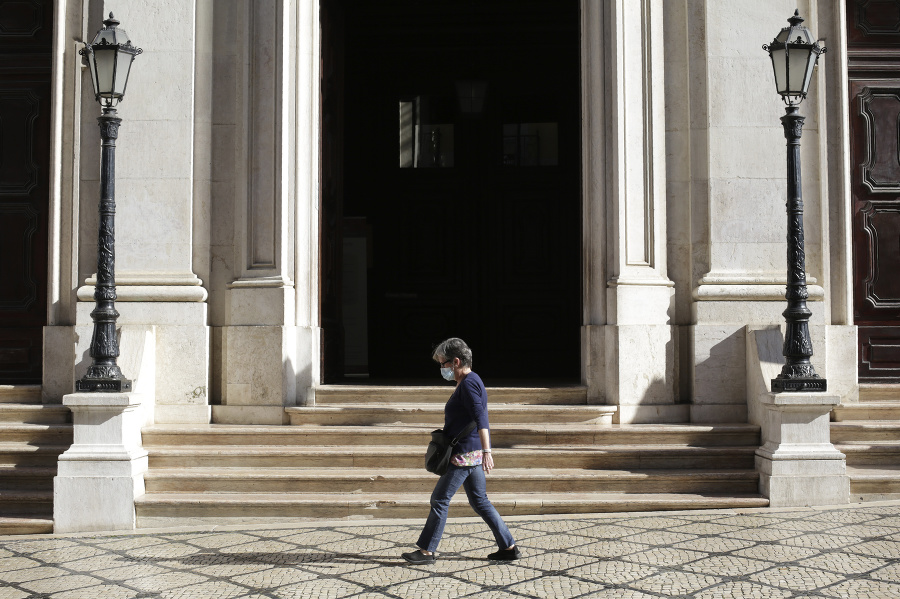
[719,374]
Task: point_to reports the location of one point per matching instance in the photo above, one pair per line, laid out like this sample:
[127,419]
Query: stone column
[628,295]
[306,223]
[101,474]
[737,196]
[259,343]
[156,217]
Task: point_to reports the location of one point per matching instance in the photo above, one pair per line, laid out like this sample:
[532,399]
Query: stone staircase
[32,436]
[868,433]
[359,454]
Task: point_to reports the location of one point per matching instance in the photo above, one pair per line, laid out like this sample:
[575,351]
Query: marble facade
[218,203]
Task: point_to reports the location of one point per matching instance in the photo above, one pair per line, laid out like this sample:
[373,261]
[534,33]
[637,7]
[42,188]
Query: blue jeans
[472,478]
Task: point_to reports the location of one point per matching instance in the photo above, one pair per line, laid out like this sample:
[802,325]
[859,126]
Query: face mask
[447,373]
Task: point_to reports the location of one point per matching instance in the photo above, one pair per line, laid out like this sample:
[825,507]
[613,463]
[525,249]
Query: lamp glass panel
[779,63]
[106,62]
[107,35]
[121,36]
[92,64]
[799,69]
[810,65]
[123,68]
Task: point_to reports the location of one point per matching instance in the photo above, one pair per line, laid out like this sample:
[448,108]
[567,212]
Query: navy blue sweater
[468,403]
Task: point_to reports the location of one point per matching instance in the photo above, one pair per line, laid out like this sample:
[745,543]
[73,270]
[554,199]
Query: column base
[641,374]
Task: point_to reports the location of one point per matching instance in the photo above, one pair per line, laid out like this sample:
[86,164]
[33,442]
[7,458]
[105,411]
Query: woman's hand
[487,462]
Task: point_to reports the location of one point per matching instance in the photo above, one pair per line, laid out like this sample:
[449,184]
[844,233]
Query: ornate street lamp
[794,54]
[109,58]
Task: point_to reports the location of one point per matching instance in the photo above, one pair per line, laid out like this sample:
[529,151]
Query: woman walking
[471,459]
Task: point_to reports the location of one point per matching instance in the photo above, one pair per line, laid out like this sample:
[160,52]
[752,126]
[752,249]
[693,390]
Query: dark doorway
[458,205]
[26,40]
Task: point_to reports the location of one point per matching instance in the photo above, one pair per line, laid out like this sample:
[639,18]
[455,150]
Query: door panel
[25,45]
[475,232]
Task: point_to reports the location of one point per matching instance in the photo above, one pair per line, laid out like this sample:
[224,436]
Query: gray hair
[454,348]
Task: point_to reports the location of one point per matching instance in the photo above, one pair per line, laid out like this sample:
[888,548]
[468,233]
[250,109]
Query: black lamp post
[794,54]
[109,58]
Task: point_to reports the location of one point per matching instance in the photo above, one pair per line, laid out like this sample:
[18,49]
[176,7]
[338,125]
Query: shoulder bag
[437,456]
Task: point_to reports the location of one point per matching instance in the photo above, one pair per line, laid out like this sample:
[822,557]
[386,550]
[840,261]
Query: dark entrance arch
[26,42]
[451,200]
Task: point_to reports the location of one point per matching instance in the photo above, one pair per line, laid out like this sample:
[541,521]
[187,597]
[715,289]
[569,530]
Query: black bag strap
[469,428]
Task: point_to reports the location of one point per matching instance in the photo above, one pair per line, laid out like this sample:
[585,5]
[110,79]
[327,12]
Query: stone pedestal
[102,473]
[797,464]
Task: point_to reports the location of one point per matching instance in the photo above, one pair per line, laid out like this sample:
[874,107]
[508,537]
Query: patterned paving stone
[727,565]
[878,548]
[742,589]
[606,550]
[674,583]
[612,572]
[97,592]
[16,563]
[717,544]
[29,574]
[213,590]
[555,586]
[796,578]
[58,584]
[758,554]
[844,563]
[615,593]
[611,532]
[665,556]
[863,589]
[777,552]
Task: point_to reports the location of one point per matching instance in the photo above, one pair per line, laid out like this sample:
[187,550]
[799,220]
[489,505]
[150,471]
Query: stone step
[502,435]
[26,454]
[26,502]
[172,509]
[21,394]
[878,392]
[874,483]
[49,434]
[870,453]
[356,394]
[644,456]
[403,481]
[34,414]
[413,413]
[867,411]
[25,526]
[857,431]
[33,478]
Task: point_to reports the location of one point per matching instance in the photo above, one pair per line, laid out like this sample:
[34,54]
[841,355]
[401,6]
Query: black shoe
[506,554]
[417,558]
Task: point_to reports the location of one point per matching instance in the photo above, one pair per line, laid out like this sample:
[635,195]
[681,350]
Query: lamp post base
[799,385]
[107,378]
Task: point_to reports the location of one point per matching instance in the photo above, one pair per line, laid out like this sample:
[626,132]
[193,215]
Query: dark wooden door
[26,39]
[478,235]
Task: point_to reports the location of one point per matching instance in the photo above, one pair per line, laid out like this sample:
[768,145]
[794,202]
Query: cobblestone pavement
[834,553]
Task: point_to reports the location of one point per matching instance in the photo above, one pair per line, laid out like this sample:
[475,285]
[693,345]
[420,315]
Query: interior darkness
[473,227]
